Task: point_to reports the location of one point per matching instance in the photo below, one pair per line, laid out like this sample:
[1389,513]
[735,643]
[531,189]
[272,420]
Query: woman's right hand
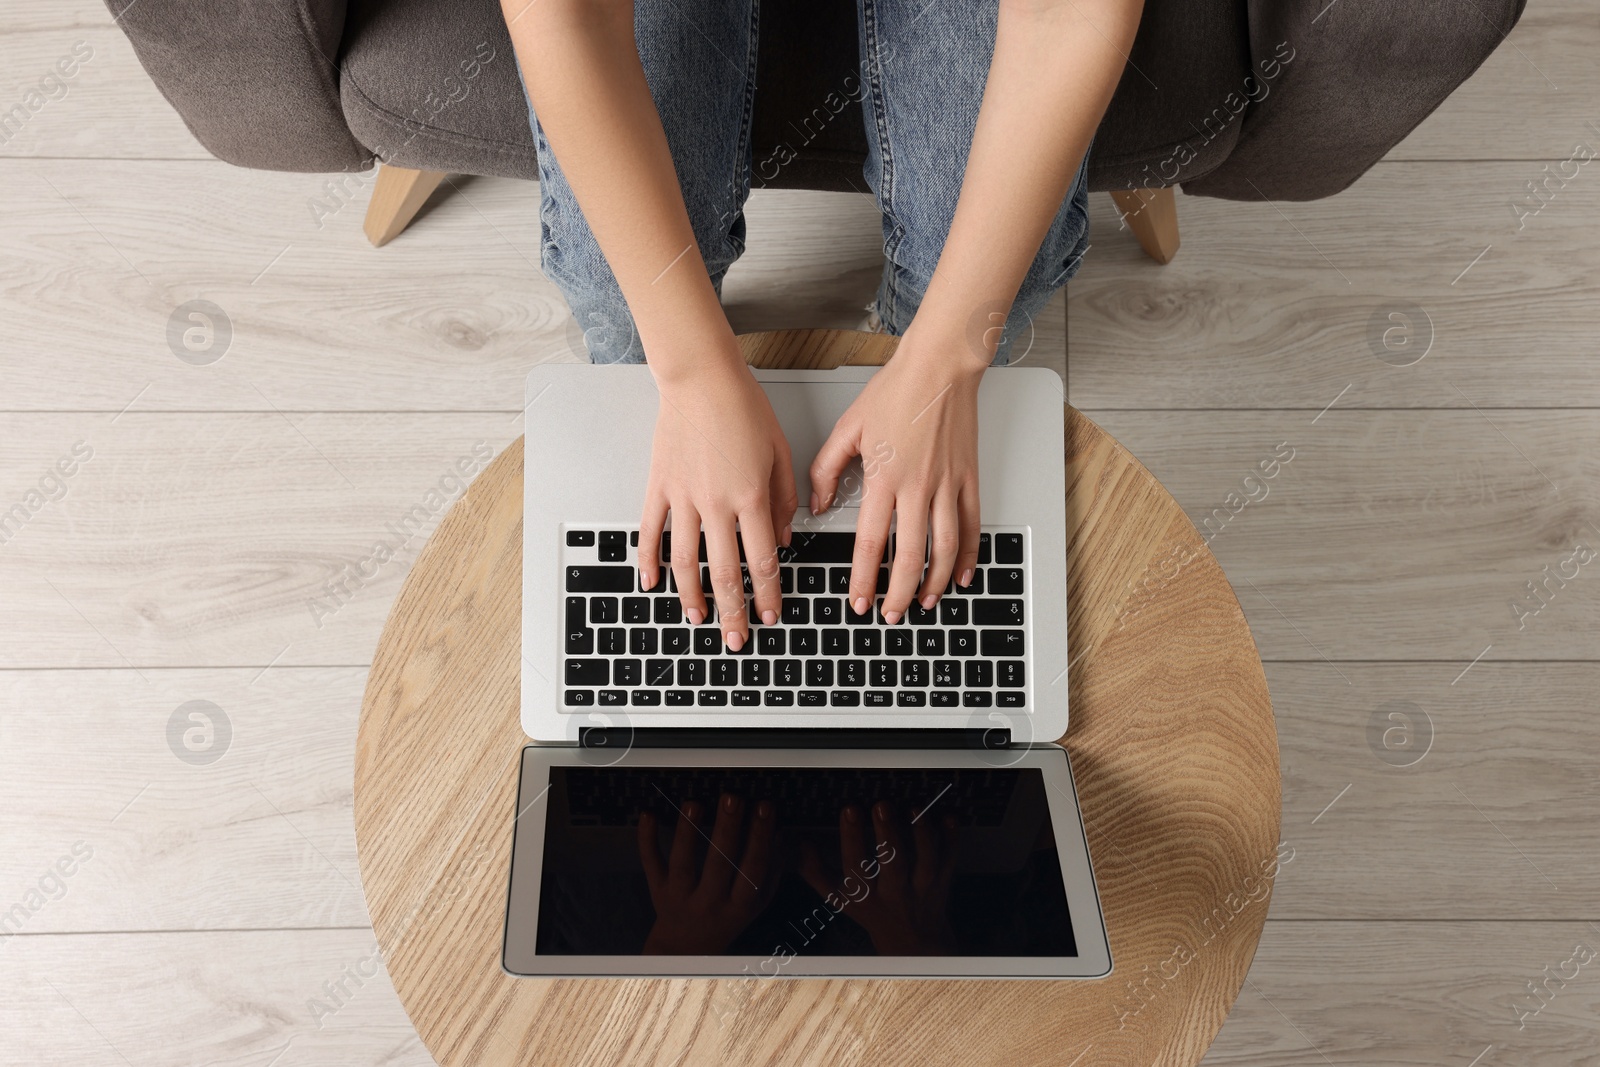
[719,460]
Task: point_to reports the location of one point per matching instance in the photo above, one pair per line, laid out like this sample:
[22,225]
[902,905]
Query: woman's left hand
[915,425]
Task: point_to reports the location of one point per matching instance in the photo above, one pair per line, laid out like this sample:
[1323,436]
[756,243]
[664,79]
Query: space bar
[819,547]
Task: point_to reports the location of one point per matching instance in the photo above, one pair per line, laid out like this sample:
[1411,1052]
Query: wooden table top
[1173,746]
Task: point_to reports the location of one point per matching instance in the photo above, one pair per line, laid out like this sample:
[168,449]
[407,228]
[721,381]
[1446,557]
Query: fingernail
[891,617]
[966,577]
[851,814]
[814,508]
[862,605]
[769,617]
[645,581]
[788,534]
[728,802]
[929,601]
[696,616]
[764,810]
[735,642]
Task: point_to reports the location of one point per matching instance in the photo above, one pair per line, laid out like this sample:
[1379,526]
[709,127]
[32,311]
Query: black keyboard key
[786,672]
[642,641]
[633,538]
[911,698]
[746,697]
[838,579]
[946,698]
[691,671]
[882,673]
[953,612]
[1005,581]
[593,579]
[669,610]
[1001,643]
[979,674]
[580,697]
[930,642]
[866,642]
[580,642]
[836,642]
[707,641]
[811,580]
[984,541]
[827,611]
[898,642]
[964,642]
[786,580]
[877,698]
[588,672]
[646,698]
[974,587]
[821,547]
[779,698]
[675,640]
[853,673]
[627,672]
[1008,700]
[819,673]
[577,612]
[745,646]
[1012,675]
[946,673]
[658,672]
[803,642]
[705,580]
[712,698]
[796,611]
[613,546]
[613,697]
[883,581]
[842,699]
[1008,548]
[602,609]
[678,698]
[811,698]
[914,674]
[724,672]
[756,673]
[990,612]
[613,640]
[580,538]
[970,699]
[853,619]
[917,615]
[770,641]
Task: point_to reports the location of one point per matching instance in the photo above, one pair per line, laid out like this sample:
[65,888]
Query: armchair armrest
[1359,78]
[256,81]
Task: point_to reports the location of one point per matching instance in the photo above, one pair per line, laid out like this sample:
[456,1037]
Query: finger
[926,833]
[894,859]
[761,557]
[830,462]
[651,523]
[655,872]
[754,866]
[944,541]
[967,514]
[724,846]
[905,572]
[853,843]
[872,537]
[686,563]
[782,492]
[727,581]
[815,872]
[680,864]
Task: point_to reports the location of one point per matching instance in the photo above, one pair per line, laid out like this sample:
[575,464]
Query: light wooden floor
[213,913]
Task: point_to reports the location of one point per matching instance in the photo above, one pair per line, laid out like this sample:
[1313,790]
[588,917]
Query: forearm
[1056,64]
[589,91]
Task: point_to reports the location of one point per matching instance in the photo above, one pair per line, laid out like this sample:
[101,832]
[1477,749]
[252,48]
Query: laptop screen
[774,863]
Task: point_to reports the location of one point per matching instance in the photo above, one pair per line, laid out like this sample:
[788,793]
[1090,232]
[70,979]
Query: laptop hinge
[624,737]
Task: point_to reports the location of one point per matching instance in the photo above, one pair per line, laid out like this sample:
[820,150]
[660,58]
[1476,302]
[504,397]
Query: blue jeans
[921,78]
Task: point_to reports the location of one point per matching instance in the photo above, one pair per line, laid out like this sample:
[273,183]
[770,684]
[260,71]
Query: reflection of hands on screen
[701,908]
[900,890]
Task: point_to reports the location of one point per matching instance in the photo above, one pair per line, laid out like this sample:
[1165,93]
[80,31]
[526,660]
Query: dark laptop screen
[801,861]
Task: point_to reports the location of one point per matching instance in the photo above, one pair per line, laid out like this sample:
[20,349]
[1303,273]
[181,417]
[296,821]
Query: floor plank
[53,15]
[1532,99]
[1392,535]
[1289,305]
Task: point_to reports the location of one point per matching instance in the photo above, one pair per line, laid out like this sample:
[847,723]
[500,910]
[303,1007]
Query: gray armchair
[1240,99]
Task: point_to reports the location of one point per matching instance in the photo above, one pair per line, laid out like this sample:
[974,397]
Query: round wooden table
[1173,747]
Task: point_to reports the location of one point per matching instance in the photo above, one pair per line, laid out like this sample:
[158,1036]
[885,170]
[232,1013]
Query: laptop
[840,797]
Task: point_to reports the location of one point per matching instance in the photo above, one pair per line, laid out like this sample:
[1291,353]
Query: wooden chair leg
[1152,215]
[397,196]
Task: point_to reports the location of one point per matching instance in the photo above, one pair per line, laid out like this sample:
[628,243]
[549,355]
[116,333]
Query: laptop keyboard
[801,797]
[623,647]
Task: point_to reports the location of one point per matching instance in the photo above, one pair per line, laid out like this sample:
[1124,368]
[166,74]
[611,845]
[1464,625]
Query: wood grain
[1286,305]
[1174,752]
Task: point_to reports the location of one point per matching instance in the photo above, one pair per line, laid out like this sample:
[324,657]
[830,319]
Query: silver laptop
[840,797]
